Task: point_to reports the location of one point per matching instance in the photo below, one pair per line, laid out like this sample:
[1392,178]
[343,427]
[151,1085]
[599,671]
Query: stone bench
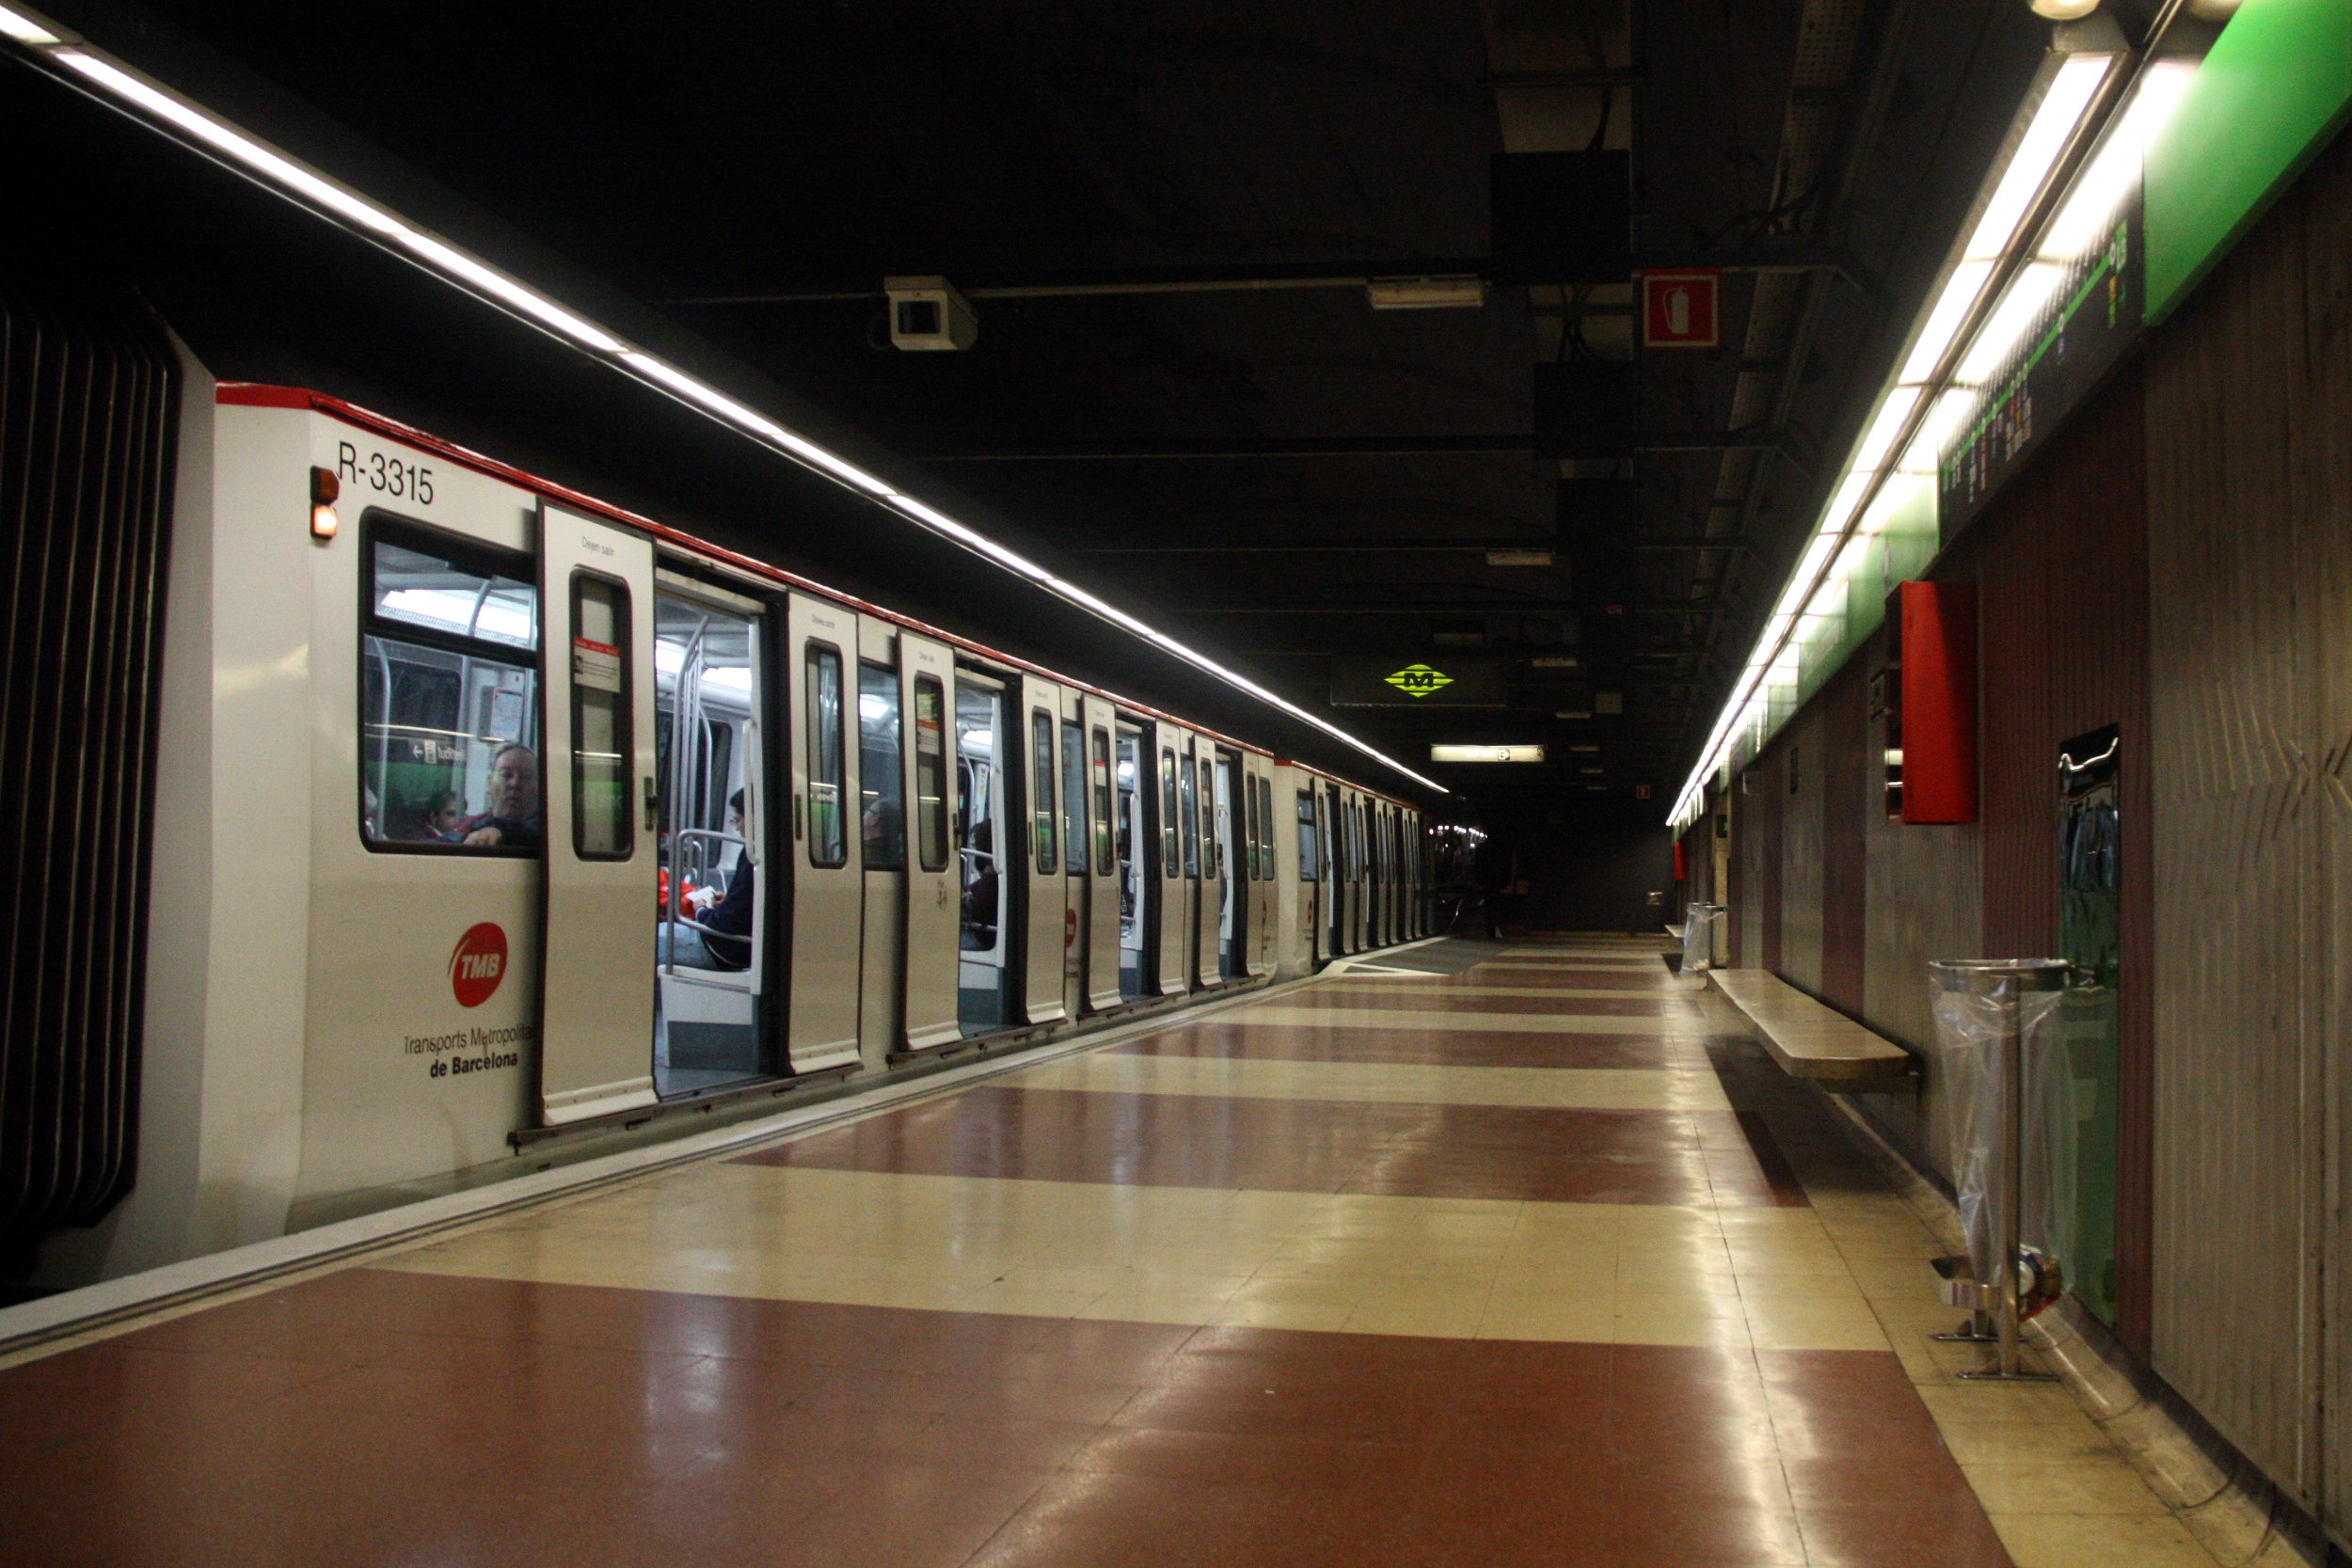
[1812,1041]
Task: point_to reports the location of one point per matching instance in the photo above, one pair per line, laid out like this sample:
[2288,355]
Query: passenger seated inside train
[980,889]
[438,818]
[513,820]
[719,937]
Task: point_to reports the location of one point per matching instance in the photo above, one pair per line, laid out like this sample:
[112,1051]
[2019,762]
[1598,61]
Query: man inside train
[723,941]
[512,818]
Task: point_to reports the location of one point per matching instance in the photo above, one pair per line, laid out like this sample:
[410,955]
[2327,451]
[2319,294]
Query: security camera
[927,314]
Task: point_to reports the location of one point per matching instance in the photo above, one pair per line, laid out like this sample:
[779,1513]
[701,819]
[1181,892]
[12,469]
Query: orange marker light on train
[325,488]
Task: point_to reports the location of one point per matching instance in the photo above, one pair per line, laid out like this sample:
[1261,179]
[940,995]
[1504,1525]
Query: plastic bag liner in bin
[1700,923]
[1978,1002]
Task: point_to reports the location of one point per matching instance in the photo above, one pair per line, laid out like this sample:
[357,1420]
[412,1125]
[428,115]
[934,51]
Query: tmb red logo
[478,964]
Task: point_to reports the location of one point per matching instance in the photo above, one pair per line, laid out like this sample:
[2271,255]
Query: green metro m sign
[1400,680]
[1419,680]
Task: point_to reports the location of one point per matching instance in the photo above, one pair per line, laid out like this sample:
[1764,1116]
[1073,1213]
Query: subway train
[491,818]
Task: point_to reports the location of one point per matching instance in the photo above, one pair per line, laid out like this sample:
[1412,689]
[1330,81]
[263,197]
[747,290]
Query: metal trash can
[1995,1027]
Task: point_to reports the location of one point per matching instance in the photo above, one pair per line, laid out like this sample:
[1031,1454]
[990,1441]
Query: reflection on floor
[1299,1283]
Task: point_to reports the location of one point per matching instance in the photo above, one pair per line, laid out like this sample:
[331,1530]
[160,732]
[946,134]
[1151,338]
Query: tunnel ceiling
[1191,413]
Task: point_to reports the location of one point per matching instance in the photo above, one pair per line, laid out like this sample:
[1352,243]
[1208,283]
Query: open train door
[597,820]
[927,677]
[826,849]
[1171,932]
[1209,928]
[1257,778]
[1045,904]
[1099,721]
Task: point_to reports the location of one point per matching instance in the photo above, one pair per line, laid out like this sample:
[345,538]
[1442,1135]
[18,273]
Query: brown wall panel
[1802,793]
[1766,803]
[2250,394]
[1849,795]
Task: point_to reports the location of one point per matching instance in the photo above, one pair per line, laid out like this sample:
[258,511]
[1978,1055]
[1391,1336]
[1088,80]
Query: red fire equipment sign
[1679,310]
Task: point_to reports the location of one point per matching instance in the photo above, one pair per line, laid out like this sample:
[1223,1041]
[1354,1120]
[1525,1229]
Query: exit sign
[1682,310]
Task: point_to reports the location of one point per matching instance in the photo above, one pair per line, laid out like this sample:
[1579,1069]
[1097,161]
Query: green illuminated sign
[1419,680]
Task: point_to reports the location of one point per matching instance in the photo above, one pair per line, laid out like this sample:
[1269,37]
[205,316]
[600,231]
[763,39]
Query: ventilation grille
[86,416]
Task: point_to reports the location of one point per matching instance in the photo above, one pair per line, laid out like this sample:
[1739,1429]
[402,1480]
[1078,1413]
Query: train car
[496,825]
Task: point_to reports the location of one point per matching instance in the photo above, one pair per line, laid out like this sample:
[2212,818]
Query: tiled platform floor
[1314,1280]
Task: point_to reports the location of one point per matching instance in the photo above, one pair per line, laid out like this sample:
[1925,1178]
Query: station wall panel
[2250,402]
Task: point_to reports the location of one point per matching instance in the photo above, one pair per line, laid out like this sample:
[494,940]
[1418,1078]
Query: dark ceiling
[1195,416]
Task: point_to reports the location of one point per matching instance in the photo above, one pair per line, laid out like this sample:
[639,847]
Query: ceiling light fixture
[1962,335]
[1485,753]
[1425,293]
[119,86]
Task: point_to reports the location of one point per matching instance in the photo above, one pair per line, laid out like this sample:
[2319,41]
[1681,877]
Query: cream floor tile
[1244,1078]
[2017,1442]
[1576,1322]
[2098,1540]
[1422,1021]
[1681,1329]
[1409,1321]
[1413,987]
[2013,1401]
[1815,1330]
[2077,1486]
[1299,1316]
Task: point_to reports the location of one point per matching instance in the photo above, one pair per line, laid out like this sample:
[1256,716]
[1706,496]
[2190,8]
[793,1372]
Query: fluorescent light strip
[485,281]
[23,29]
[2056,120]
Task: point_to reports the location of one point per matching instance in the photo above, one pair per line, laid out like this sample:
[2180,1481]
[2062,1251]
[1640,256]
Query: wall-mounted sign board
[1407,680]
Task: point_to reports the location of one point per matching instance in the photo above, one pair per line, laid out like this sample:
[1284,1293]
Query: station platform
[1475,1254]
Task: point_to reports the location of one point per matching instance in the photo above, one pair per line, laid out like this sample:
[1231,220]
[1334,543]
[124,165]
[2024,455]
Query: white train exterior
[380,967]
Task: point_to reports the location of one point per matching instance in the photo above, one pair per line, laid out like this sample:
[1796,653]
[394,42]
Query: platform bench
[1812,1041]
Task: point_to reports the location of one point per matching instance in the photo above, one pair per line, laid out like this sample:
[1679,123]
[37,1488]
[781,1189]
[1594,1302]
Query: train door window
[982,994]
[1253,861]
[707,953]
[1308,865]
[1169,819]
[448,707]
[1265,828]
[603,745]
[1073,800]
[828,835]
[1188,811]
[931,772]
[1042,790]
[1104,862]
[881,781]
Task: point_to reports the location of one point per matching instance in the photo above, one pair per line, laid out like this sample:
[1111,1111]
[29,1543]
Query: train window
[828,835]
[449,699]
[1167,814]
[1042,788]
[1251,861]
[604,741]
[1104,864]
[930,772]
[881,780]
[1309,867]
[1212,843]
[1189,814]
[1073,800]
[426,578]
[1265,819]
